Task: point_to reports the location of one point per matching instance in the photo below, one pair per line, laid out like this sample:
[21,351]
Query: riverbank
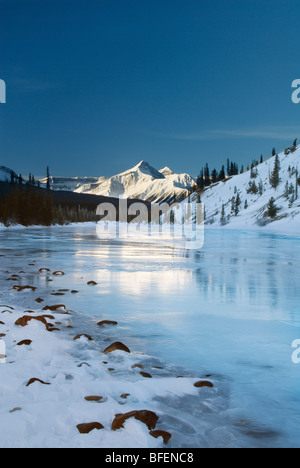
[59,389]
[230,311]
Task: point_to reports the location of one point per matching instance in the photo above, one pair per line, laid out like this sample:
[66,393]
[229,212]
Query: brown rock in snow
[117,346]
[165,435]
[31,381]
[147,417]
[85,428]
[203,383]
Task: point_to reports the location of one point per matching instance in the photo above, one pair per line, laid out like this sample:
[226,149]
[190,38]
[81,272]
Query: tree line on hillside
[255,187]
[26,203]
[207,177]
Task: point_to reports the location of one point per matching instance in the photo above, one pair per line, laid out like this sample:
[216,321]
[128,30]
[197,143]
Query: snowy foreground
[51,383]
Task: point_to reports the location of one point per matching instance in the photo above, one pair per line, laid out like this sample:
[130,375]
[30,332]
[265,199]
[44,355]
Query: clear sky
[95,86]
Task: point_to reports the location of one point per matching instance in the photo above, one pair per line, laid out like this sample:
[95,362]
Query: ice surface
[229,310]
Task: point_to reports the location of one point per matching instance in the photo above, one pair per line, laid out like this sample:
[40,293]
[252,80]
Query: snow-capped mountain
[243,200]
[142,181]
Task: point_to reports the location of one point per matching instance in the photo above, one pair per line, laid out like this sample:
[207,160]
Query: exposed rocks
[15,409]
[117,346]
[147,417]
[140,366]
[23,288]
[58,273]
[85,428]
[93,398]
[146,375]
[23,321]
[165,435]
[107,322]
[24,342]
[31,381]
[203,383]
[77,337]
[91,283]
[55,308]
[39,300]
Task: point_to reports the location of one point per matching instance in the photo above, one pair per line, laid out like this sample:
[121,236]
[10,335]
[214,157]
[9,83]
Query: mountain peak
[166,171]
[145,168]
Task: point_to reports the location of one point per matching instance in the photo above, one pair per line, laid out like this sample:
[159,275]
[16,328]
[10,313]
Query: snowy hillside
[142,182]
[244,200]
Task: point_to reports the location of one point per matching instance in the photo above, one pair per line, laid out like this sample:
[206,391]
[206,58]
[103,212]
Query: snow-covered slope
[142,182]
[252,209]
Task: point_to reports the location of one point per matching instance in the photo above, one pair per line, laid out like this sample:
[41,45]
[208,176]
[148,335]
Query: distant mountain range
[142,182]
[242,200]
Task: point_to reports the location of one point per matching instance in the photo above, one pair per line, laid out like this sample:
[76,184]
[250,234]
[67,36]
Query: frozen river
[230,310]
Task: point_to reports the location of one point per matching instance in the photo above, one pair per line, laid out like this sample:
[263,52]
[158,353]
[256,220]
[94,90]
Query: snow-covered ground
[46,412]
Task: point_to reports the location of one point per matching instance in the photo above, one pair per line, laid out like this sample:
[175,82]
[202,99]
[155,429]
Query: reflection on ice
[230,309]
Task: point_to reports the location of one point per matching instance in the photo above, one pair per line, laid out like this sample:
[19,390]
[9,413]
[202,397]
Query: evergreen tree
[222,174]
[274,176]
[253,173]
[286,192]
[294,147]
[48,179]
[48,206]
[207,180]
[228,167]
[252,188]
[214,176]
[200,180]
[238,202]
[272,209]
[223,216]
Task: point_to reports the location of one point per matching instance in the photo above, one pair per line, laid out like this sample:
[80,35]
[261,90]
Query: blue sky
[95,86]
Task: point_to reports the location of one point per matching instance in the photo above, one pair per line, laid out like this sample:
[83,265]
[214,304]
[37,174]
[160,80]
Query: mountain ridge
[142,182]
